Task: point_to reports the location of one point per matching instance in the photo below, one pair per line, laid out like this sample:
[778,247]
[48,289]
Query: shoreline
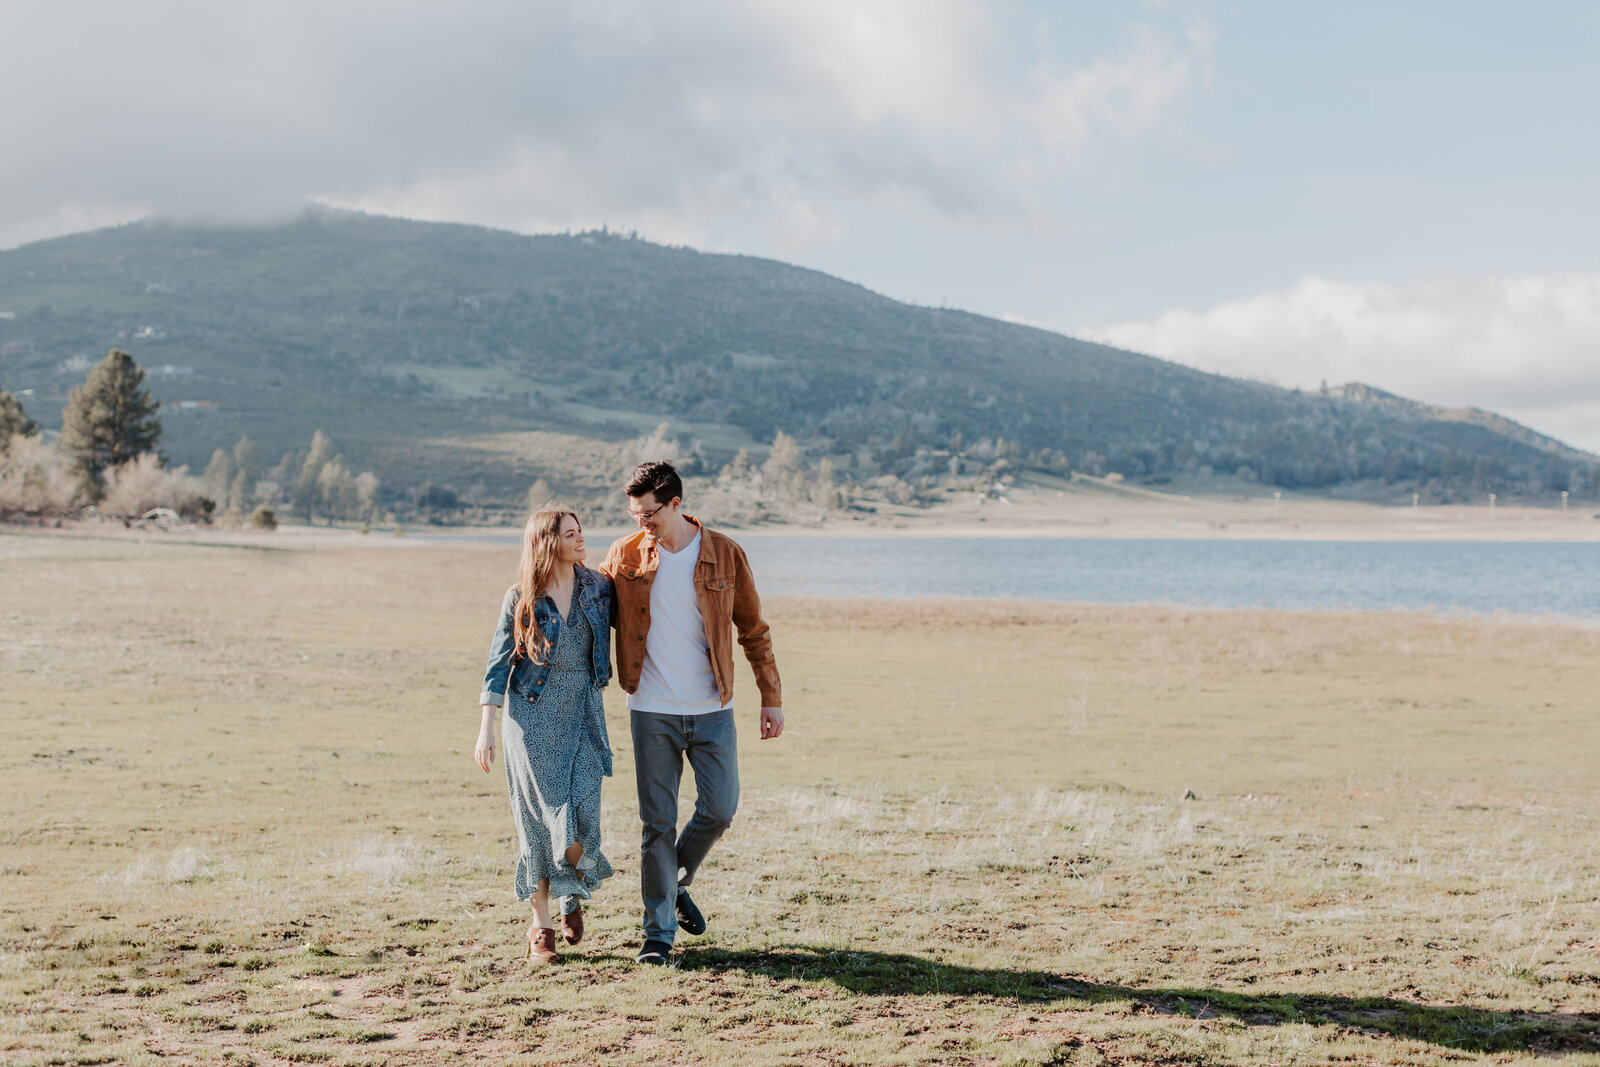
[1147,520]
[114,543]
[1138,523]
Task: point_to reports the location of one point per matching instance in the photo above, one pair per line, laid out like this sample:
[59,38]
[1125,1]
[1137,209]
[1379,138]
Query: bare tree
[218,478]
[783,463]
[539,494]
[368,500]
[336,487]
[306,490]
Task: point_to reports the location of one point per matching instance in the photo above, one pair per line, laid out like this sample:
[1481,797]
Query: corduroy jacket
[727,596]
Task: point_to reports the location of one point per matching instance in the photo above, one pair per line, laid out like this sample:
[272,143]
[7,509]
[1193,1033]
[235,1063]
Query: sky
[1401,194]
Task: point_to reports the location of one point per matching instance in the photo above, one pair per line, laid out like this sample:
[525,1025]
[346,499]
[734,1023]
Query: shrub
[437,496]
[263,518]
[135,487]
[37,479]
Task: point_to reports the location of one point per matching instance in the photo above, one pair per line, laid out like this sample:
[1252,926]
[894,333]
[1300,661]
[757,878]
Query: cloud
[1525,347]
[708,122]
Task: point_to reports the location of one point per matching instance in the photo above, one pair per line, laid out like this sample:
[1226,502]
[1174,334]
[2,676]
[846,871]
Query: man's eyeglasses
[642,517]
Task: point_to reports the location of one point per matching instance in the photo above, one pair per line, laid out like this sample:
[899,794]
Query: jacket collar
[584,581]
[707,556]
[588,582]
[647,544]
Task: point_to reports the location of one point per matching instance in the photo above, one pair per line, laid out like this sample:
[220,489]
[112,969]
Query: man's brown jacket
[727,596]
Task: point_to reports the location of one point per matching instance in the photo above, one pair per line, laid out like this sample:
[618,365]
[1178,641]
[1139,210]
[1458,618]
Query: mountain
[430,351]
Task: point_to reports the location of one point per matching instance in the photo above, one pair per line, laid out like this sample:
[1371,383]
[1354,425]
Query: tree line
[105,458]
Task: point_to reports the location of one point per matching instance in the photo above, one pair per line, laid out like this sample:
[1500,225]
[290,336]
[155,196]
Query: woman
[548,663]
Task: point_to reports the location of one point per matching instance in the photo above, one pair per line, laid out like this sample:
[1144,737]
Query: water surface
[1476,577]
[1528,578]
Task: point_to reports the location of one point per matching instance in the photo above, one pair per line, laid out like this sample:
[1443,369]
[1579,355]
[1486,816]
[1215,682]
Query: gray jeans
[669,859]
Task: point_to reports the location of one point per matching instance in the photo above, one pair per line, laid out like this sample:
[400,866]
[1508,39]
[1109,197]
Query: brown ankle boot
[572,926]
[542,945]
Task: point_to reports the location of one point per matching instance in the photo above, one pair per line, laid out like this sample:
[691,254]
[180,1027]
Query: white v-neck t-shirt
[676,678]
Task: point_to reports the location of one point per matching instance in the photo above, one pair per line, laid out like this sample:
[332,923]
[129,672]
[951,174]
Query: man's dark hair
[659,478]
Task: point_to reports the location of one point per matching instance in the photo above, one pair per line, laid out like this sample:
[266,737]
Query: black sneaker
[655,953]
[690,921]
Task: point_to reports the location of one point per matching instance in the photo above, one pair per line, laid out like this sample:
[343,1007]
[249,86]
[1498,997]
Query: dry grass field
[242,824]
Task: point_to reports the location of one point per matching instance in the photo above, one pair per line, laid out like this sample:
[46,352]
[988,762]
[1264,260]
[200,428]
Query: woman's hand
[484,752]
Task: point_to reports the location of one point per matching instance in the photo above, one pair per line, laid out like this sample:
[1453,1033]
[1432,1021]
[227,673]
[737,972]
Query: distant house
[8,314]
[195,405]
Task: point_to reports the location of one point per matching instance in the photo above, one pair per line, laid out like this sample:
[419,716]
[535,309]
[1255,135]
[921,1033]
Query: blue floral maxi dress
[555,752]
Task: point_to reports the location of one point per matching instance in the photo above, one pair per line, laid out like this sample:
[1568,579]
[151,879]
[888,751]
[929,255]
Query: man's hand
[771,722]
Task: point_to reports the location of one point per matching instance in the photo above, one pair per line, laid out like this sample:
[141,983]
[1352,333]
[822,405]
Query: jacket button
[644,611]
[636,666]
[641,637]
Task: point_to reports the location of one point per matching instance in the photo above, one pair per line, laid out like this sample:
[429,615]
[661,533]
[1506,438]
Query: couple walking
[673,592]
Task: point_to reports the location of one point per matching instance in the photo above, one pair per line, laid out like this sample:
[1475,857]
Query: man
[680,589]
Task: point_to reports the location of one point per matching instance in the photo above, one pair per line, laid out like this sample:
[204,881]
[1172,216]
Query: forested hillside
[412,344]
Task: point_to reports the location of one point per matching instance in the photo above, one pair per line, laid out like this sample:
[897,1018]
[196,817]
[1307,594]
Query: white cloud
[703,122]
[1021,320]
[1526,347]
[1125,94]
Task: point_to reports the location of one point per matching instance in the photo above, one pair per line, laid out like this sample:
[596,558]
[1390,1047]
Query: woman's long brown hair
[541,545]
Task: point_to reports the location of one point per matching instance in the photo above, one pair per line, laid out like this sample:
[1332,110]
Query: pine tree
[109,420]
[14,422]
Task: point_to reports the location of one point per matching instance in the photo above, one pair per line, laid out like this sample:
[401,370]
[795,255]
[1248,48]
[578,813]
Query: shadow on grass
[889,974]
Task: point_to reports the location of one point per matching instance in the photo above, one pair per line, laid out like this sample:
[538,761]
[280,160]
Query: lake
[1471,577]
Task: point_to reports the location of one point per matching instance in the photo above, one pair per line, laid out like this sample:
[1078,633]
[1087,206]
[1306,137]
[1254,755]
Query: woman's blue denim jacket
[596,599]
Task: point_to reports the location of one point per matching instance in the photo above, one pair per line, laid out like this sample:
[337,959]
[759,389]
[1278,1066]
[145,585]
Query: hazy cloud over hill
[1524,346]
[1055,163]
[695,123]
